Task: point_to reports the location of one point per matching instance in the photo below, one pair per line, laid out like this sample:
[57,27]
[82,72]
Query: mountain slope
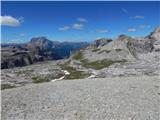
[124,56]
[38,49]
[121,57]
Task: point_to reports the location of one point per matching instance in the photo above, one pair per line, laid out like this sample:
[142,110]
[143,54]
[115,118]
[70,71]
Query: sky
[76,21]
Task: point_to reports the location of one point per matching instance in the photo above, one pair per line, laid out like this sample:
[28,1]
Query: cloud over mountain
[64,28]
[143,26]
[9,21]
[131,29]
[80,19]
[78,26]
[138,17]
[102,31]
[23,34]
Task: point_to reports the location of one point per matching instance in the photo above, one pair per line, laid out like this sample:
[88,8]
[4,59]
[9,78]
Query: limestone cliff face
[41,49]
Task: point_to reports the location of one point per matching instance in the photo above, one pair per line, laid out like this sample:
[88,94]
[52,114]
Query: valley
[80,60]
[115,79]
[125,56]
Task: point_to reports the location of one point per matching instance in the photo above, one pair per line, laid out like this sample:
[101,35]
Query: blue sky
[77,21]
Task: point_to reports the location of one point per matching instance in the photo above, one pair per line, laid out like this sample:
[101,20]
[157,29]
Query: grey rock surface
[101,42]
[20,76]
[155,35]
[119,98]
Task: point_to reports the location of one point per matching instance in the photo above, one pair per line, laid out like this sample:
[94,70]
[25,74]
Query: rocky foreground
[118,98]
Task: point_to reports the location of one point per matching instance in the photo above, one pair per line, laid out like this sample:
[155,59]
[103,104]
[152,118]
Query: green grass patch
[106,51]
[78,56]
[74,73]
[95,50]
[100,64]
[118,50]
[46,78]
[6,86]
[39,79]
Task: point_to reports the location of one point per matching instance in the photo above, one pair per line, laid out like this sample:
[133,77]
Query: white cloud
[102,31]
[23,34]
[131,29]
[9,21]
[64,28]
[80,19]
[78,26]
[124,10]
[138,17]
[143,26]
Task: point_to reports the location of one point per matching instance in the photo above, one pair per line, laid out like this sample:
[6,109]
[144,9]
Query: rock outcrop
[101,42]
[124,47]
[155,35]
[121,57]
[18,59]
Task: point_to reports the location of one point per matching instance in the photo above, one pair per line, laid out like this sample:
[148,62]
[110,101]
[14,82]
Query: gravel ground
[119,98]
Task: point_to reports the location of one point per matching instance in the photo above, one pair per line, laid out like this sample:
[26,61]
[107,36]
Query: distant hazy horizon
[76,21]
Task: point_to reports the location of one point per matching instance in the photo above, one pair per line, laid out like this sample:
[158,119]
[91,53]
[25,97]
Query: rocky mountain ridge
[38,49]
[125,56]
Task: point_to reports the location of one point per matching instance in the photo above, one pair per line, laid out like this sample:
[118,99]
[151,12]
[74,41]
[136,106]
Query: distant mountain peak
[39,39]
[157,29]
[155,35]
[123,37]
[41,42]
